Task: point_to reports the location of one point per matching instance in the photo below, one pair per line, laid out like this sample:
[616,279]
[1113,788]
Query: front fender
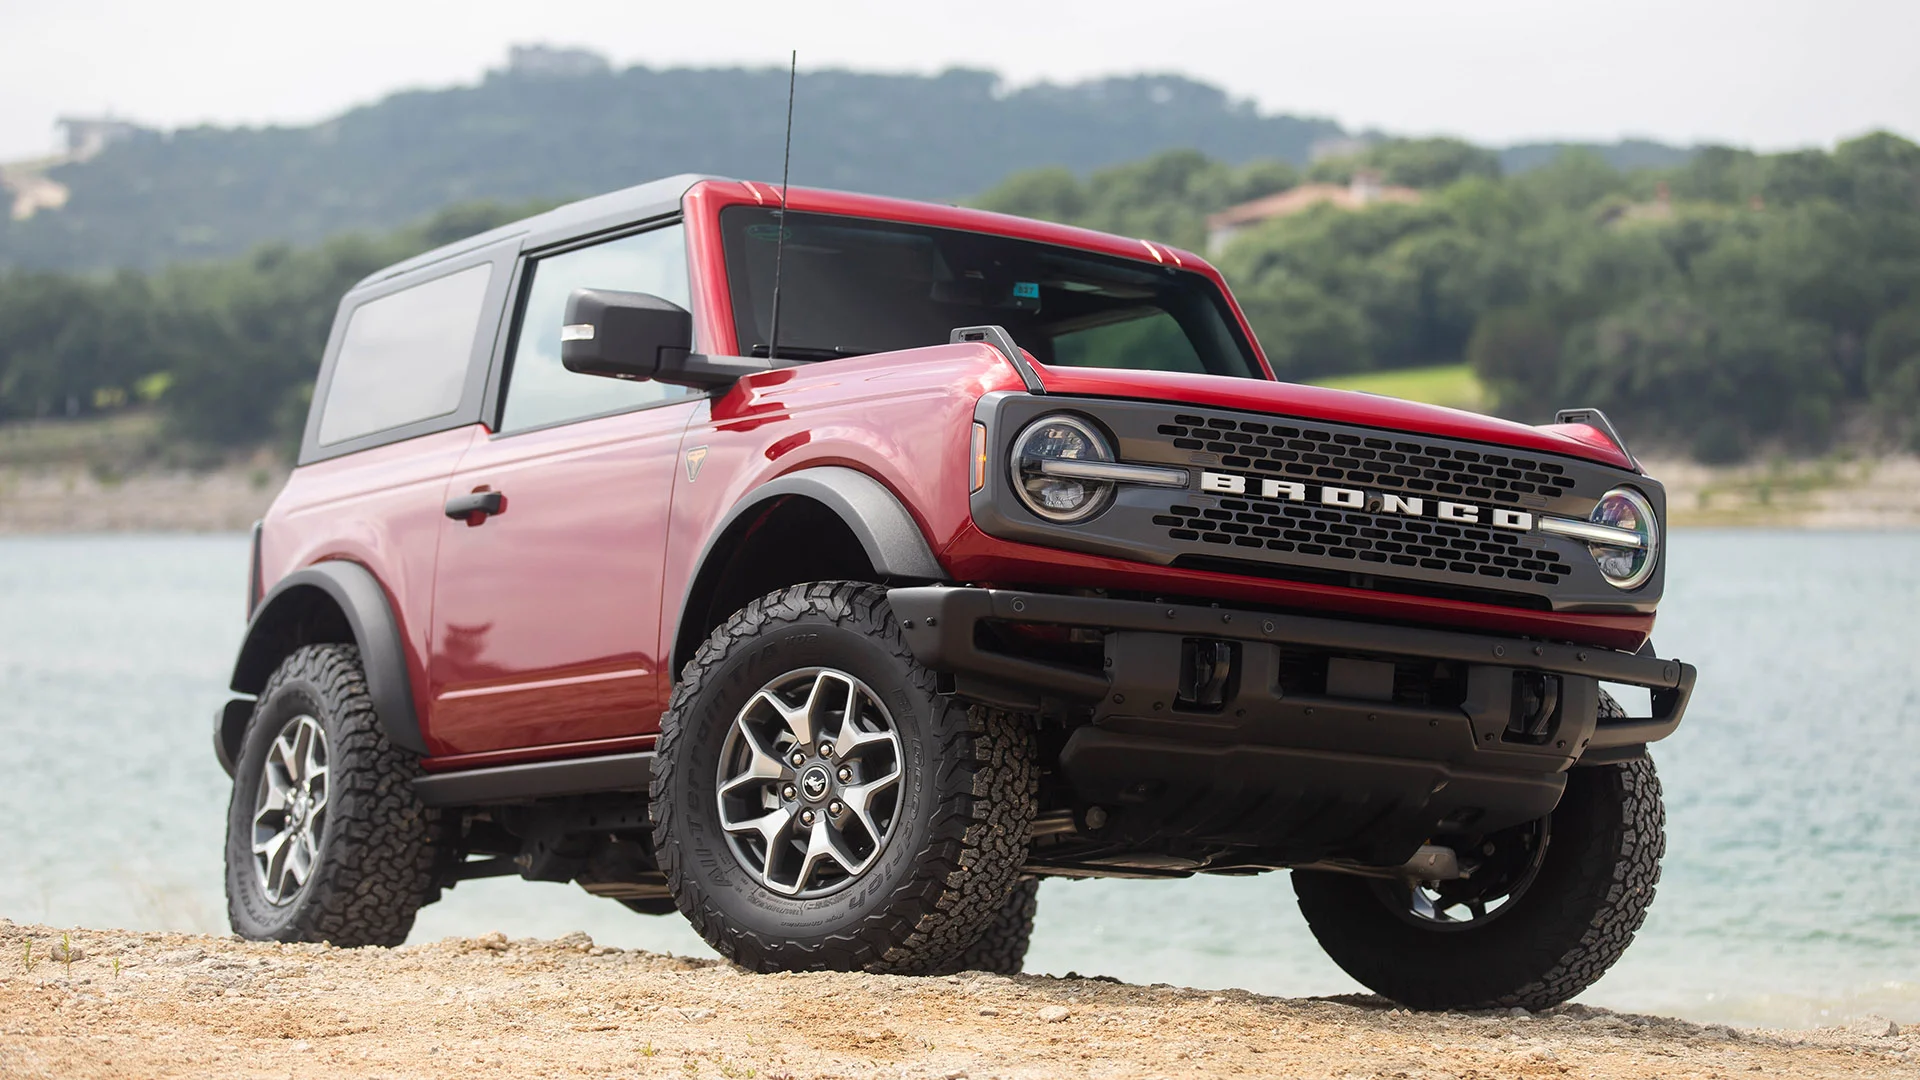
[886,531]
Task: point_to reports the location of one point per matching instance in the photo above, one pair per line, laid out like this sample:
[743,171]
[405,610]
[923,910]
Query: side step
[537,780]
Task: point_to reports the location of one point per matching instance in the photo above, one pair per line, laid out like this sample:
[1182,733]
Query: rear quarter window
[404,356]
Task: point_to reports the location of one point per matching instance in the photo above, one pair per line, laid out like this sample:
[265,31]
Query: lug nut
[835,807]
[806,817]
[846,774]
[826,749]
[799,758]
[787,792]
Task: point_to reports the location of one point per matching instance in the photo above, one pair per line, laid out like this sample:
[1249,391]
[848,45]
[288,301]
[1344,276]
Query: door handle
[475,508]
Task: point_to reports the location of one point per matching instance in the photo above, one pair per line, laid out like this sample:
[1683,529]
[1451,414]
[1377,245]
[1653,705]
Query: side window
[404,357]
[539,390]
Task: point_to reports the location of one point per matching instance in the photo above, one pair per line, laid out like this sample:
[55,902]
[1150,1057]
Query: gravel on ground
[120,1004]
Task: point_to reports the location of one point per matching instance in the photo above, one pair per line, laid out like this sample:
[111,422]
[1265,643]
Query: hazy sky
[1760,73]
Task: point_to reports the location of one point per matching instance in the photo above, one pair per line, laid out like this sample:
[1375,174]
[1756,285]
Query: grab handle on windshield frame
[998,337]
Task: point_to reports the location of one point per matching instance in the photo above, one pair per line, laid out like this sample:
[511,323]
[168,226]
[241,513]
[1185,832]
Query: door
[546,620]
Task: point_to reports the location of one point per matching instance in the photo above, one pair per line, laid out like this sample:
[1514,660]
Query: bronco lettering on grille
[1356,499]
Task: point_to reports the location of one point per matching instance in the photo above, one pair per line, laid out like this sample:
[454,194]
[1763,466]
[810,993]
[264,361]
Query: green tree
[1893,373]
[1417,163]
[1516,353]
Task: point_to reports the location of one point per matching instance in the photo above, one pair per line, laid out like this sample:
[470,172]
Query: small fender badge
[694,457]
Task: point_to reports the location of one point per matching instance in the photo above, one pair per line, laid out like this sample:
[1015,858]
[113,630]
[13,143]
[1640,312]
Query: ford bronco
[998,553]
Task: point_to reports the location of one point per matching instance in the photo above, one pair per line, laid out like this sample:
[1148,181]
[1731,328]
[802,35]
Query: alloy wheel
[290,809]
[809,782]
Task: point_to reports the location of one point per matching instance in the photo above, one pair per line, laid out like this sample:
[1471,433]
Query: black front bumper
[1347,765]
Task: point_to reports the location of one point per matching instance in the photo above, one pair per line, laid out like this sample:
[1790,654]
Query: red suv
[831,568]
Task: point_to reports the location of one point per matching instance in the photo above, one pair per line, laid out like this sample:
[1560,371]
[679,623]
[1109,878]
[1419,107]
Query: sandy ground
[126,1004]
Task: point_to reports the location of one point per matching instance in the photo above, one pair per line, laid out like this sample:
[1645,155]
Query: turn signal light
[979,456]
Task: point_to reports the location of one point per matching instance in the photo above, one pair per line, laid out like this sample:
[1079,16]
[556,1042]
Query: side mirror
[624,335]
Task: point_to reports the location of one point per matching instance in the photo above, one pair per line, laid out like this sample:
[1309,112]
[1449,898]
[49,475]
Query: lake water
[1791,893]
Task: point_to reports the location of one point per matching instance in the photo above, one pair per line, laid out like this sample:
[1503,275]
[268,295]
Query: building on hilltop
[1365,189]
[25,187]
[547,62]
[86,136]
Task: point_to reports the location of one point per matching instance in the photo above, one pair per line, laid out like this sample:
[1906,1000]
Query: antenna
[780,238]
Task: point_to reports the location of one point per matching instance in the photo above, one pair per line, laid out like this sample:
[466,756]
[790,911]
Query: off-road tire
[963,822]
[1573,921]
[379,851]
[1002,948]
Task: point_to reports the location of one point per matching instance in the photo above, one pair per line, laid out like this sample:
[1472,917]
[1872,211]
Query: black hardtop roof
[654,198]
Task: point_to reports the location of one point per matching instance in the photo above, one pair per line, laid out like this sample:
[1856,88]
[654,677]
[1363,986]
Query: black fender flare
[363,604]
[892,540]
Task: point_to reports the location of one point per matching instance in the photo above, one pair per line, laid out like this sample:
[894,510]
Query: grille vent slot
[1383,540]
[1388,464]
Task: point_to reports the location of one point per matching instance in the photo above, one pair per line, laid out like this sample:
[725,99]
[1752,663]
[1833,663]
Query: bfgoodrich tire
[1566,925]
[816,805]
[1002,947]
[326,840]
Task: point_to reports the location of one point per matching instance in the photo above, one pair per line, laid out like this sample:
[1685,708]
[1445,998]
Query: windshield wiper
[810,352]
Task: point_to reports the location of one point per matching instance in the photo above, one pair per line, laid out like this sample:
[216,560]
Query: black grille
[1383,539]
[1321,503]
[1376,461]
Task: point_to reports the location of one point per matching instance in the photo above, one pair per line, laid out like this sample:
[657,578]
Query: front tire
[1567,916]
[326,840]
[1002,947]
[818,806]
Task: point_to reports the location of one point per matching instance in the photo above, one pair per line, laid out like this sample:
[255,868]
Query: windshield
[851,286]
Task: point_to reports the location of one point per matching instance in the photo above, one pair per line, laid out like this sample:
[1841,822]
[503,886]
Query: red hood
[1334,406]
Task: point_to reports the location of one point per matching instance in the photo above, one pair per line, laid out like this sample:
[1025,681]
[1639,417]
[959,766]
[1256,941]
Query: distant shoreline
[74,499]
[1823,494]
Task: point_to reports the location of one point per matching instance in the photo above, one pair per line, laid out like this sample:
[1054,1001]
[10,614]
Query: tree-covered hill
[205,192]
[1739,302]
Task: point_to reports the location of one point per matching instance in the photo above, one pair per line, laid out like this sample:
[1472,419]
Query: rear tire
[1567,924]
[891,843]
[326,840]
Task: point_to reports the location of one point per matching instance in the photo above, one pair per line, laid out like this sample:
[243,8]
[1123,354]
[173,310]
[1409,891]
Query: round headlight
[1626,567]
[1058,496]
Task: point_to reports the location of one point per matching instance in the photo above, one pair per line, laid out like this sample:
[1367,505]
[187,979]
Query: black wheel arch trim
[363,603]
[891,539]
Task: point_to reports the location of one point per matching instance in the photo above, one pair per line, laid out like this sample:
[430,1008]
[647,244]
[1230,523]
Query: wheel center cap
[814,783]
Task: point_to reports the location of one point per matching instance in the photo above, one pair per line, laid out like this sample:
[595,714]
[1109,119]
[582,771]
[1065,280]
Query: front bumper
[1312,745]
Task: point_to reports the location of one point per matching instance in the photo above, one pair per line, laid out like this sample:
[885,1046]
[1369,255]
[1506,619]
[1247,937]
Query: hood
[1336,407]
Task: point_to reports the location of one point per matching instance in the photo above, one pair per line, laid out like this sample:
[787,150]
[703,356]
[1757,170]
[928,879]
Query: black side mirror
[624,335]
